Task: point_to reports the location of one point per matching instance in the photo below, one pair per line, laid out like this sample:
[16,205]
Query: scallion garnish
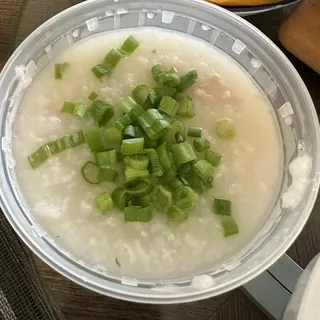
[59,69]
[186,107]
[132,146]
[104,202]
[141,93]
[163,155]
[183,153]
[90,173]
[94,139]
[137,161]
[222,207]
[179,137]
[54,147]
[138,214]
[129,132]
[101,112]
[194,132]
[77,109]
[127,104]
[201,144]
[156,168]
[112,59]
[120,197]
[185,197]
[107,174]
[225,129]
[132,174]
[138,188]
[162,198]
[175,214]
[93,96]
[168,106]
[106,157]
[213,158]
[112,135]
[230,226]
[156,94]
[130,45]
[187,80]
[100,70]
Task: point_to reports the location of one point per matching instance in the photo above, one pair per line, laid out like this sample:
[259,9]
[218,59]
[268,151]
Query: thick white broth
[63,203]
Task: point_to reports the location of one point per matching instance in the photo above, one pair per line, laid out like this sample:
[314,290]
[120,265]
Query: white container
[264,62]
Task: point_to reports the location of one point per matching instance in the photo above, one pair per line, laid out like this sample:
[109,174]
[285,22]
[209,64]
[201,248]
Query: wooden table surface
[17,19]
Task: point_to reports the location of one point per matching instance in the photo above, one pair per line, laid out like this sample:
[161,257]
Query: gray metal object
[272,290]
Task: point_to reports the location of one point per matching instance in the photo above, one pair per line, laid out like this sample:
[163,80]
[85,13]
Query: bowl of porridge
[158,155]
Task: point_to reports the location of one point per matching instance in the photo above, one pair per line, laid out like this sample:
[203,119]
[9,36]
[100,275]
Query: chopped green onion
[104,202]
[120,197]
[213,158]
[175,214]
[139,188]
[94,139]
[176,126]
[201,144]
[124,121]
[176,183]
[127,104]
[132,146]
[179,137]
[101,112]
[230,226]
[183,153]
[137,161]
[133,174]
[168,106]
[194,132]
[156,94]
[112,135]
[169,79]
[129,132]
[112,59]
[130,45]
[54,147]
[164,156]
[168,176]
[186,107]
[93,96]
[158,71]
[156,168]
[138,214]
[90,172]
[222,207]
[203,168]
[106,157]
[59,69]
[100,70]
[197,183]
[141,93]
[77,109]
[162,199]
[107,174]
[187,80]
[225,129]
[185,197]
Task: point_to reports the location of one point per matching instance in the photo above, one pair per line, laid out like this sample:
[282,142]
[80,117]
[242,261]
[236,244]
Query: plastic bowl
[263,61]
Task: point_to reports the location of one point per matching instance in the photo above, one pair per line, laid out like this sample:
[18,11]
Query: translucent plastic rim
[105,284]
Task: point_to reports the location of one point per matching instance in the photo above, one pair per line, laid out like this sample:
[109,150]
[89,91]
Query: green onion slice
[106,157]
[120,197]
[168,106]
[104,202]
[222,207]
[138,214]
[101,70]
[225,129]
[130,45]
[129,132]
[175,214]
[179,137]
[93,96]
[194,132]
[201,144]
[156,168]
[176,126]
[186,107]
[101,112]
[162,198]
[230,226]
[107,174]
[183,153]
[90,172]
[137,161]
[163,156]
[213,158]
[132,146]
[138,188]
[77,109]
[185,197]
[59,69]
[54,147]
[187,80]
[127,104]
[112,58]
[94,139]
[203,168]
[141,93]
[132,174]
[156,94]
[112,135]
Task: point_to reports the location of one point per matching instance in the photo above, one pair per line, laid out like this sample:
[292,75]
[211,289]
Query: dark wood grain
[78,303]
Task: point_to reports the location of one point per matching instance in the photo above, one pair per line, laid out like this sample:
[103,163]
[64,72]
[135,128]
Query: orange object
[300,33]
[242,2]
